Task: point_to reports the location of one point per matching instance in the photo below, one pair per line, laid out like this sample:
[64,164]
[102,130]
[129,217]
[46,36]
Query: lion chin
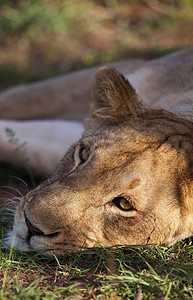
[127,181]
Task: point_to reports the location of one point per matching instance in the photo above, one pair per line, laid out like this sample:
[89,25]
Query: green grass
[115,273]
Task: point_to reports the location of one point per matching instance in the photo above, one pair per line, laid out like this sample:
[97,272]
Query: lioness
[128,180]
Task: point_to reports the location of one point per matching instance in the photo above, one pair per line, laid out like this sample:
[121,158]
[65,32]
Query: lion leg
[37,145]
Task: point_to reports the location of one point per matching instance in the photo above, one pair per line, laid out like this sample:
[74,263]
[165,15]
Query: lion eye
[123,204]
[84,154]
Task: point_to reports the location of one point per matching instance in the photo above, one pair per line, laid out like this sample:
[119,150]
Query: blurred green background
[44,38]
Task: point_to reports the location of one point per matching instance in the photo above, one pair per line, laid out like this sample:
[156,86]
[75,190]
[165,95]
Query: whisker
[8,193]
[12,204]
[9,213]
[14,199]
[22,181]
[7,209]
[3,199]
[13,189]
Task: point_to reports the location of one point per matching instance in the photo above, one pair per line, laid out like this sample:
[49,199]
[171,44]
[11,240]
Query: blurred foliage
[43,38]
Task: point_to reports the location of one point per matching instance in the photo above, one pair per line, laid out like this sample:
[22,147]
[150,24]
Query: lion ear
[114,97]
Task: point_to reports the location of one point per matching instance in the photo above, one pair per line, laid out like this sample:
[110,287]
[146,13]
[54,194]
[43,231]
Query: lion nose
[31,228]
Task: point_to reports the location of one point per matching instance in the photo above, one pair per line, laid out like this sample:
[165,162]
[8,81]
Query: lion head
[128,180]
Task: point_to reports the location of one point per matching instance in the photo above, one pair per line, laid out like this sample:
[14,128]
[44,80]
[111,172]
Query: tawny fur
[130,150]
